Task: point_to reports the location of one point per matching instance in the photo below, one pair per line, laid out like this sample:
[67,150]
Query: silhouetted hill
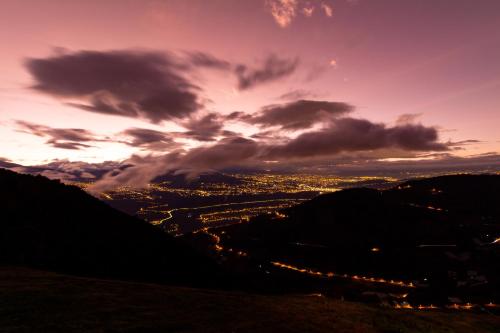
[438,232]
[44,223]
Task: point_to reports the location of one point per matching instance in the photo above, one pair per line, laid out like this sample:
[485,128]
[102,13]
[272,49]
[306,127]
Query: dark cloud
[127,83]
[408,118]
[237,116]
[149,139]
[69,134]
[349,134]
[296,115]
[68,145]
[273,68]
[297,94]
[269,136]
[65,138]
[463,143]
[77,138]
[205,128]
[141,84]
[7,164]
[201,59]
[229,151]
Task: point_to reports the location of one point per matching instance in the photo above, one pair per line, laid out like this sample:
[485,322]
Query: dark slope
[438,232]
[44,223]
[37,301]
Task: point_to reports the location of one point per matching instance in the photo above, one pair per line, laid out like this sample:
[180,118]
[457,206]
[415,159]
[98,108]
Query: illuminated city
[193,205]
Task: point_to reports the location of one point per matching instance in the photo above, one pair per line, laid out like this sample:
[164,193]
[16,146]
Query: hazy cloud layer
[66,170]
[111,174]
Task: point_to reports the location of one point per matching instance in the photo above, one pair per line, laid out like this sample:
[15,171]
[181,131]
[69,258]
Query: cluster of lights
[295,183]
[227,214]
[426,207]
[454,306]
[243,213]
[253,184]
[218,245]
[403,305]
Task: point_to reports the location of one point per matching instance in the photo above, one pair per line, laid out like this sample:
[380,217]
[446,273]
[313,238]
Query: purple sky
[193,81]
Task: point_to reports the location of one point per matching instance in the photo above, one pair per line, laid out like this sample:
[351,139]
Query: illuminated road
[274,205]
[400,304]
[342,276]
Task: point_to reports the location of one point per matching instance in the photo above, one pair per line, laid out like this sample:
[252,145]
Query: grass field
[37,301]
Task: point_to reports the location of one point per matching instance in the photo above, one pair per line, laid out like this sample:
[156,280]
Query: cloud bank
[342,136]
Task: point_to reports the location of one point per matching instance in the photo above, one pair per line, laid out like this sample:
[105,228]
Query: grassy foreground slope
[37,301]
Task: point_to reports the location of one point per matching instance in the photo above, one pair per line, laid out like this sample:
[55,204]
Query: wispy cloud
[64,138]
[283,11]
[272,68]
[308,11]
[328,9]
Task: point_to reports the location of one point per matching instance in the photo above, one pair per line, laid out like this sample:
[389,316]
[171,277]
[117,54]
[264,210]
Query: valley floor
[37,301]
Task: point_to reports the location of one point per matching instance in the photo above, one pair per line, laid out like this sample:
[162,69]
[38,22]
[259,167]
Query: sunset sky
[276,81]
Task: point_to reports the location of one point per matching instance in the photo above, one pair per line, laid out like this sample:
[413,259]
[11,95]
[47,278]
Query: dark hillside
[37,301]
[45,223]
[442,234]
